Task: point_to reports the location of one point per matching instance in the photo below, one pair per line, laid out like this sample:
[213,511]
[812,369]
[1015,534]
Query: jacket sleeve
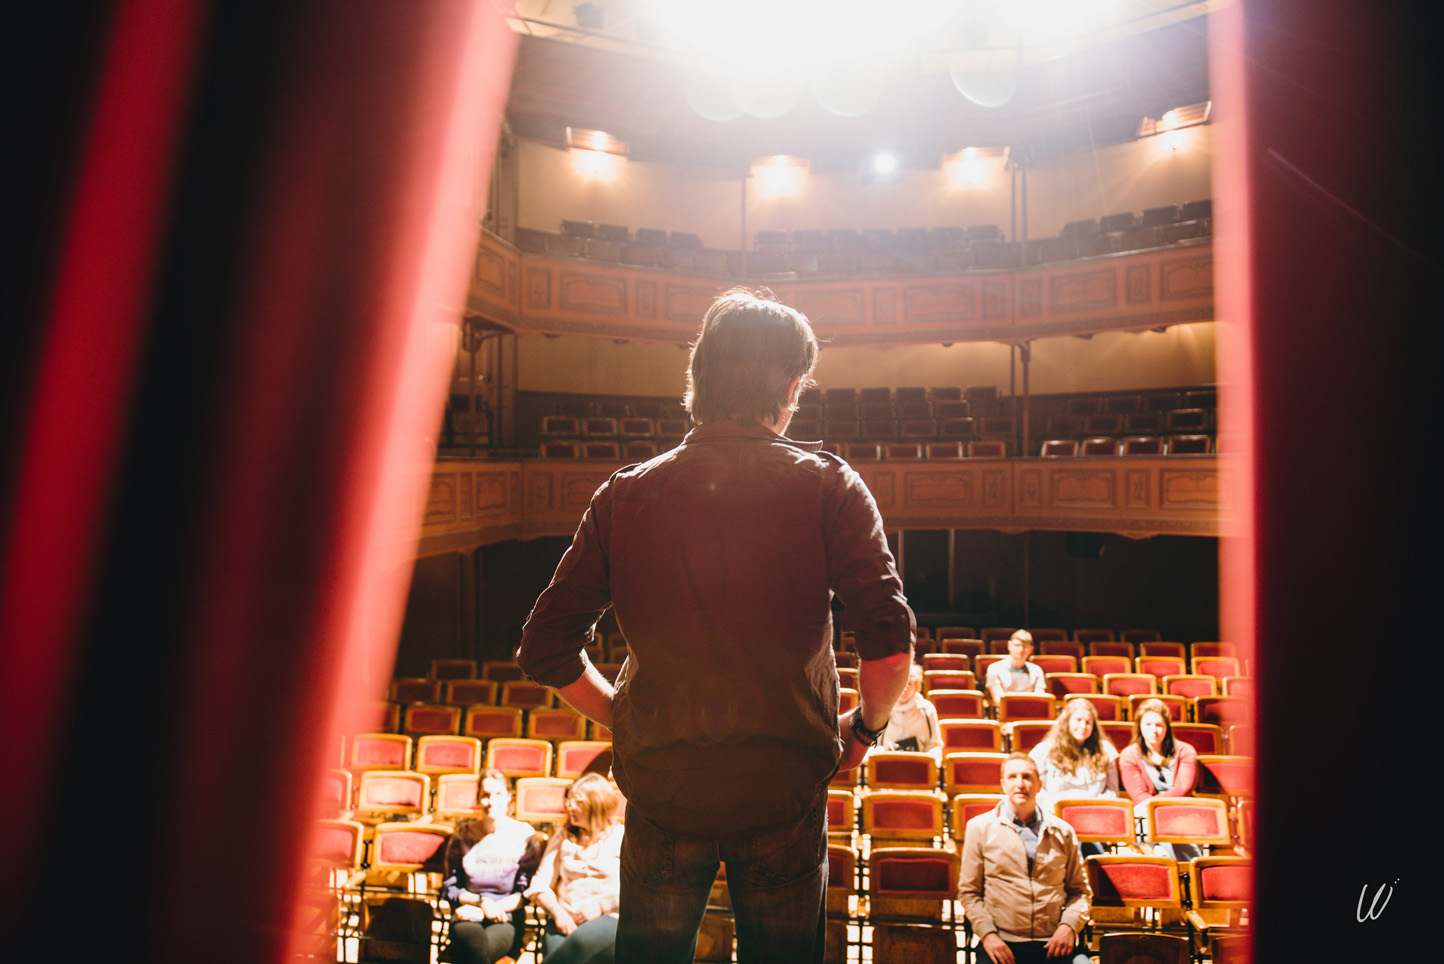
[1185,771]
[970,883]
[935,735]
[1077,894]
[861,569]
[1130,771]
[545,877]
[560,625]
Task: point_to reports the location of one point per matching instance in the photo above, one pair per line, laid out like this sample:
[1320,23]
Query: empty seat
[972,772]
[439,718]
[379,751]
[541,800]
[485,722]
[1059,448]
[902,814]
[958,704]
[1093,447]
[1188,445]
[970,735]
[1141,445]
[1097,820]
[518,757]
[388,793]
[900,770]
[436,755]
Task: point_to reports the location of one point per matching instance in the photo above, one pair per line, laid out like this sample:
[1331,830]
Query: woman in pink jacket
[1155,764]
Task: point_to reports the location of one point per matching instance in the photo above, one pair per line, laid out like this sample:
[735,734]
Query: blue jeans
[777,881]
[1036,952]
[591,943]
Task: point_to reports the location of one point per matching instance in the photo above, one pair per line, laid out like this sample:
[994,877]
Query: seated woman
[1157,765]
[1074,759]
[489,862]
[579,880]
[913,724]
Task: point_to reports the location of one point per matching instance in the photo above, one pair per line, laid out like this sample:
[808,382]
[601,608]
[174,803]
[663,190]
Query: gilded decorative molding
[1160,287]
[1083,488]
[539,497]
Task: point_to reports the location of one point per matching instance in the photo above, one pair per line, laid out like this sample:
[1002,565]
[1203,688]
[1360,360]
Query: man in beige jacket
[1023,884]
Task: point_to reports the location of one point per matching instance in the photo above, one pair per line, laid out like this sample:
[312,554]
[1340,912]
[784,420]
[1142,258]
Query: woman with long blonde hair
[1075,759]
[579,881]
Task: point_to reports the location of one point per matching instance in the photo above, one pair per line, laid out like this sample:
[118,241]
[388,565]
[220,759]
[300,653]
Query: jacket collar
[728,429]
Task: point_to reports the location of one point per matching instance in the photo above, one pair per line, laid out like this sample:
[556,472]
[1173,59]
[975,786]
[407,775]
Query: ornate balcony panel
[1124,292]
[474,503]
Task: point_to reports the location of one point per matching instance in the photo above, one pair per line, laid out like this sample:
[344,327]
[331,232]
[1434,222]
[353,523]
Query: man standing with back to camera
[720,559]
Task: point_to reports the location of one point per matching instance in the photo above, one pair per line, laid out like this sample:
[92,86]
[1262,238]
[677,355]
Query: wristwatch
[861,732]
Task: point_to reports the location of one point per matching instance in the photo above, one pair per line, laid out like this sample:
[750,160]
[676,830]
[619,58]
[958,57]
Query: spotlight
[884,164]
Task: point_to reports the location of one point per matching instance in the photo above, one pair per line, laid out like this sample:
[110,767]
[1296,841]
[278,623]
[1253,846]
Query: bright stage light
[884,163]
[792,37]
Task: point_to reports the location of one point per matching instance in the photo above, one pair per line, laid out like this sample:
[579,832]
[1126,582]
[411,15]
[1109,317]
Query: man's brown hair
[749,350]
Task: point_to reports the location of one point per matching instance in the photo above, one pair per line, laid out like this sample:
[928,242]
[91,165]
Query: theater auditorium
[334,319]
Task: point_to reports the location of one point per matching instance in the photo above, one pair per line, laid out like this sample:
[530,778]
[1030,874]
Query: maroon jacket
[720,558]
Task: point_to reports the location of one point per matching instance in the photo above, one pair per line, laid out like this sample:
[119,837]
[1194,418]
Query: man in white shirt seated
[1016,674]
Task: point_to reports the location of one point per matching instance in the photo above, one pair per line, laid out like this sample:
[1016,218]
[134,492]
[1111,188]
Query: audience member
[913,724]
[1074,759]
[1022,882]
[579,881]
[1016,674]
[1157,765]
[489,862]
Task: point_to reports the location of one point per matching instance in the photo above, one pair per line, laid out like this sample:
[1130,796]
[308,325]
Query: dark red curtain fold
[223,433]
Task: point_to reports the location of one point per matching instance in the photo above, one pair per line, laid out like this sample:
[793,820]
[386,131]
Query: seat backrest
[1133,880]
[410,847]
[1064,685]
[456,796]
[453,668]
[555,724]
[379,751]
[1203,737]
[1101,665]
[1224,882]
[575,756]
[1132,948]
[958,704]
[468,692]
[393,792]
[962,735]
[434,718]
[518,757]
[910,882]
[448,754]
[901,769]
[1129,684]
[1026,706]
[541,799]
[902,814]
[1160,666]
[1110,708]
[1050,663]
[1190,685]
[1157,647]
[486,722]
[948,679]
[1202,821]
[413,689]
[1097,820]
[1026,734]
[337,843]
[972,772]
[964,807]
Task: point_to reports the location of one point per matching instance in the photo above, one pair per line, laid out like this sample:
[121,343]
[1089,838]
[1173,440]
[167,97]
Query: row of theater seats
[876,251]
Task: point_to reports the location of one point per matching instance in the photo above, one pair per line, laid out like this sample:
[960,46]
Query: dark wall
[1066,580]
[1168,583]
